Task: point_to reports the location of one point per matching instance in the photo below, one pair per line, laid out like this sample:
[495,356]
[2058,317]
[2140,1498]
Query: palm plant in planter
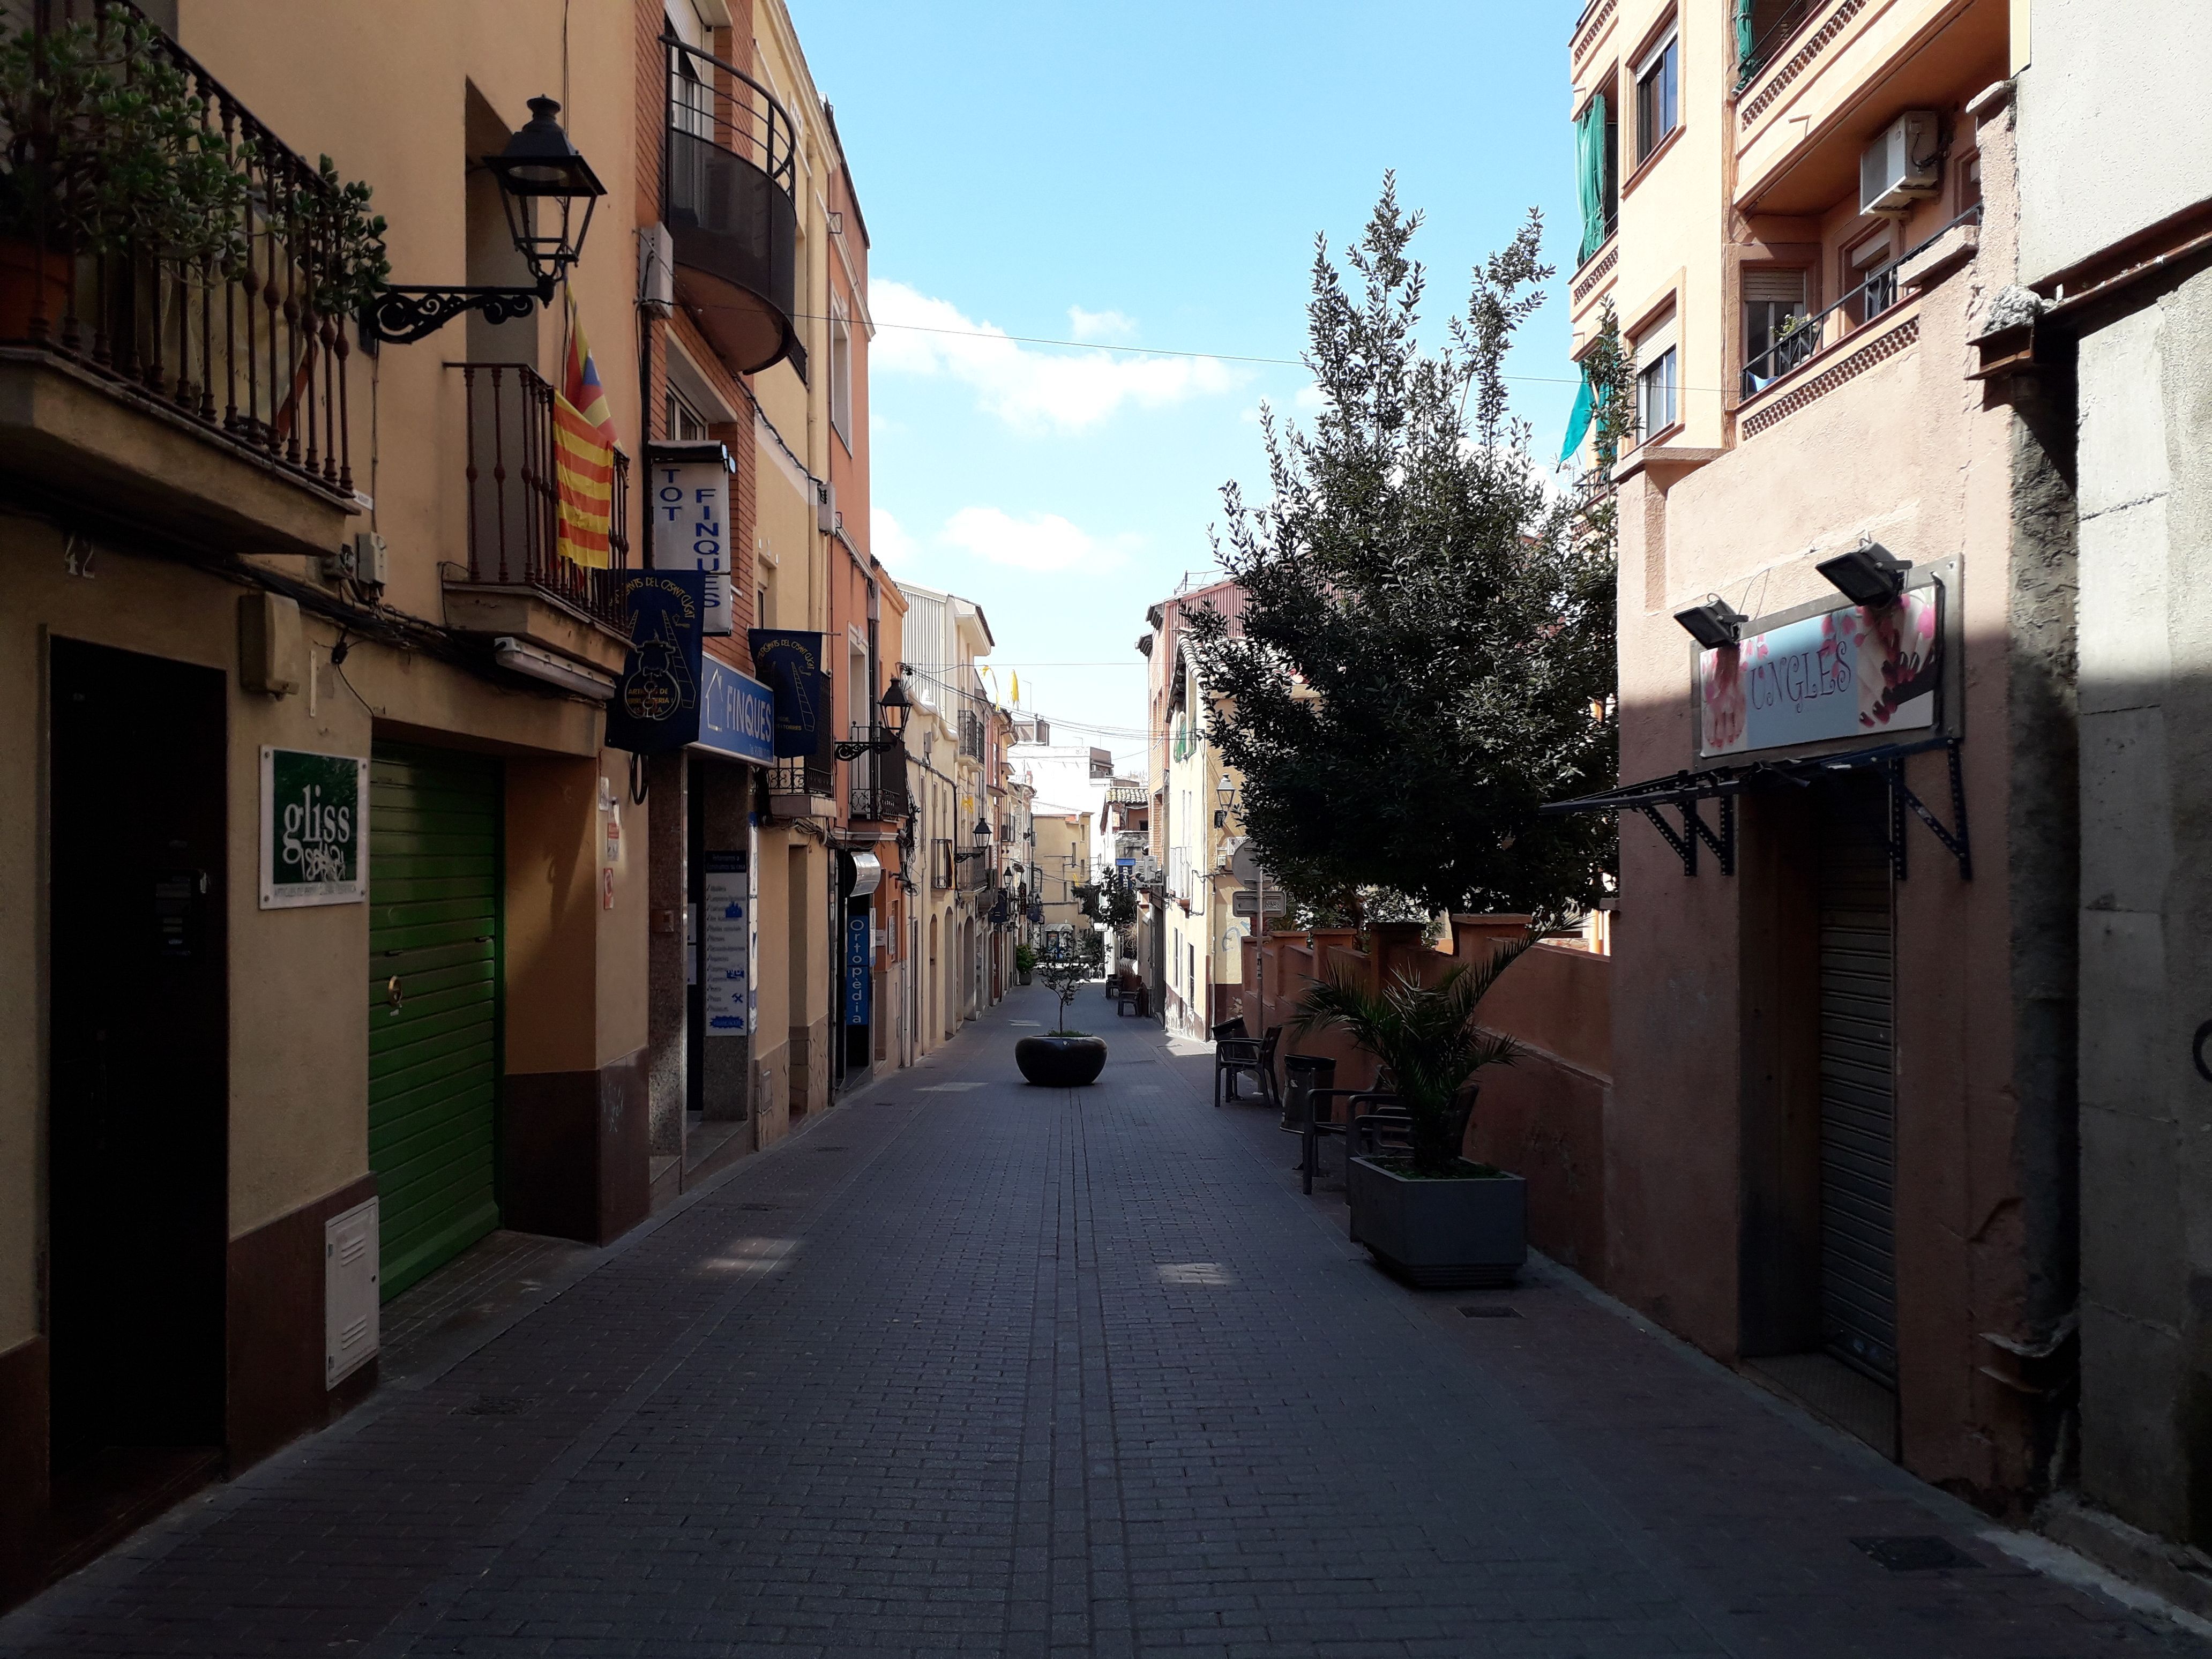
[1430,1215]
[1062,1057]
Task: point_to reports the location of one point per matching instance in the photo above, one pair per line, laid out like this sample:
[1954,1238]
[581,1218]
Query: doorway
[1857,1072]
[139,1027]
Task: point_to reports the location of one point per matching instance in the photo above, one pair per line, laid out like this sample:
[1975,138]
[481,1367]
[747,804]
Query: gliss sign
[314,828]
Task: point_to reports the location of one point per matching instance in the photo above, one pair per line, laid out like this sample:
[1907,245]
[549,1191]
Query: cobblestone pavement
[968,1368]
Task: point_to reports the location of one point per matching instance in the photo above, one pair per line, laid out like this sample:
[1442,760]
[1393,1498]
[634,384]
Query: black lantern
[542,180]
[895,707]
[981,832]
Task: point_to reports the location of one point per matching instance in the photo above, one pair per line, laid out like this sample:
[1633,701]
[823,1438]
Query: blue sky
[1149,174]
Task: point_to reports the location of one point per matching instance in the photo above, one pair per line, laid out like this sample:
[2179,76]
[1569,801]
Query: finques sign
[314,828]
[1857,671]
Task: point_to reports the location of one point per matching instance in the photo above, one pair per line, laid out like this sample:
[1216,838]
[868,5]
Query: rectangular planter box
[1436,1234]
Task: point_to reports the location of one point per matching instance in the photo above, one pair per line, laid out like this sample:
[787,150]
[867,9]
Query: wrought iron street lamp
[896,707]
[542,181]
[982,847]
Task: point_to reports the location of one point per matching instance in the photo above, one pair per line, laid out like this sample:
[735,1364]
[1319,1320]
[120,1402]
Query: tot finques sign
[1857,671]
[314,828]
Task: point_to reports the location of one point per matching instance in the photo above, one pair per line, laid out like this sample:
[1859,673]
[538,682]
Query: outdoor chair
[1320,1119]
[1241,1056]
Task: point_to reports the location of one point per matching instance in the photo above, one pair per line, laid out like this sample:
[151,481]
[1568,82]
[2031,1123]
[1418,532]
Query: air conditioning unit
[1904,164]
[656,270]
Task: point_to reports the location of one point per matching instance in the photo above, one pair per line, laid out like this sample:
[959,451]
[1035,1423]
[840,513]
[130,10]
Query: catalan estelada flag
[584,456]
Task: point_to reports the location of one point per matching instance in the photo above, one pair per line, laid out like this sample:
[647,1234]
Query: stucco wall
[2146,895]
[2113,124]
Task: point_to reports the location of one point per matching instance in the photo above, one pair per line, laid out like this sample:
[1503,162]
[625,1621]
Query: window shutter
[1763,285]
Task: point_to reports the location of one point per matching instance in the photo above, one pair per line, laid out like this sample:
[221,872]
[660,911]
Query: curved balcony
[727,197]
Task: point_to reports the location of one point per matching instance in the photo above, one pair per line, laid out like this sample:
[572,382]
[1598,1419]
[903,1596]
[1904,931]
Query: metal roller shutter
[434,823]
[1858,1268]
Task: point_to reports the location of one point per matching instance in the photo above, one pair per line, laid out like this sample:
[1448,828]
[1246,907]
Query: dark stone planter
[1060,1062]
[1436,1234]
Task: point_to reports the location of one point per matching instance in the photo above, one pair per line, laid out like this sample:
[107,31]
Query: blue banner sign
[859,954]
[655,708]
[791,662]
[737,714]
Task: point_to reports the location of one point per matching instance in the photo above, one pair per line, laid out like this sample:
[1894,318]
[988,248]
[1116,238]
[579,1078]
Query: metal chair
[1238,1057]
[1321,1119]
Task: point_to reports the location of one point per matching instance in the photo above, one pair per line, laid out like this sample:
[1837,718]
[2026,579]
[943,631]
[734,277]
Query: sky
[1145,174]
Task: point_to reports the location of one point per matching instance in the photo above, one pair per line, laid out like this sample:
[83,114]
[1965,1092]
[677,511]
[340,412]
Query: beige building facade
[1836,1154]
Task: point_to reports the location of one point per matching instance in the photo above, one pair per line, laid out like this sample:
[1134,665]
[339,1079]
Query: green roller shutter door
[434,1061]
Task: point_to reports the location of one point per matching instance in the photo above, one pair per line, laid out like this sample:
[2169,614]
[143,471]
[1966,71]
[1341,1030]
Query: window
[1655,375]
[1872,277]
[841,372]
[1775,339]
[1597,149]
[1657,96]
[683,423]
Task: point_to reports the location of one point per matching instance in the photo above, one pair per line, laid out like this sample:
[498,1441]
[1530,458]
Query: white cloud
[1100,324]
[1309,398]
[1042,541]
[888,539]
[1021,385]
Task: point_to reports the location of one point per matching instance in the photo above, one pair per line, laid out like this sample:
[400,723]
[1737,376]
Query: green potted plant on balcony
[1428,1214]
[1062,1058]
[109,151]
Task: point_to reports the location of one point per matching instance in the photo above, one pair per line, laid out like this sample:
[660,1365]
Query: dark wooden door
[139,1033]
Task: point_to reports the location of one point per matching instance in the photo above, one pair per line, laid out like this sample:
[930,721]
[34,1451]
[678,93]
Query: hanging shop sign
[314,828]
[860,952]
[737,714]
[655,707]
[726,948]
[691,509]
[791,661]
[1858,672]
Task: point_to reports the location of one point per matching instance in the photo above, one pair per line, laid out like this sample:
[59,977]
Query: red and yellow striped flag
[584,483]
[584,454]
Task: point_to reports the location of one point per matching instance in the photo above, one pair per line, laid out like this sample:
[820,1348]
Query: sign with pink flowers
[1859,672]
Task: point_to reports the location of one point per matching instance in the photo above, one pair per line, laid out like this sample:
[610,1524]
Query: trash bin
[1301,1075]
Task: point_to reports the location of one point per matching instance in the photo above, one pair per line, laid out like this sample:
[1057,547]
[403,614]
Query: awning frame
[1685,790]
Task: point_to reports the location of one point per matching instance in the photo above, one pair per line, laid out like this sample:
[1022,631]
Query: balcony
[940,865]
[977,875]
[519,584]
[1812,356]
[174,332]
[1824,77]
[727,199]
[876,789]
[803,787]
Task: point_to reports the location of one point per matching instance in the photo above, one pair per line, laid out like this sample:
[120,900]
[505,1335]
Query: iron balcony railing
[803,774]
[1775,29]
[976,874]
[1802,338]
[235,322]
[876,784]
[515,502]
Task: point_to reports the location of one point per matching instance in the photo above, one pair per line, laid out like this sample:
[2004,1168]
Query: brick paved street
[968,1368]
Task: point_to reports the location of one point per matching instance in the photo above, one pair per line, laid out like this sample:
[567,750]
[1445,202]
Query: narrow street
[967,1367]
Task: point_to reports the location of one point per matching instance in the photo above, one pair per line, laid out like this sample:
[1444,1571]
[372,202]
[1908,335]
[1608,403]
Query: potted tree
[1025,961]
[1428,1214]
[1062,1058]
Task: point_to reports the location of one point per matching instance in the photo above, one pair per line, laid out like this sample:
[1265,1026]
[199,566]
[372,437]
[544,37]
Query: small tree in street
[1070,959]
[1425,655]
